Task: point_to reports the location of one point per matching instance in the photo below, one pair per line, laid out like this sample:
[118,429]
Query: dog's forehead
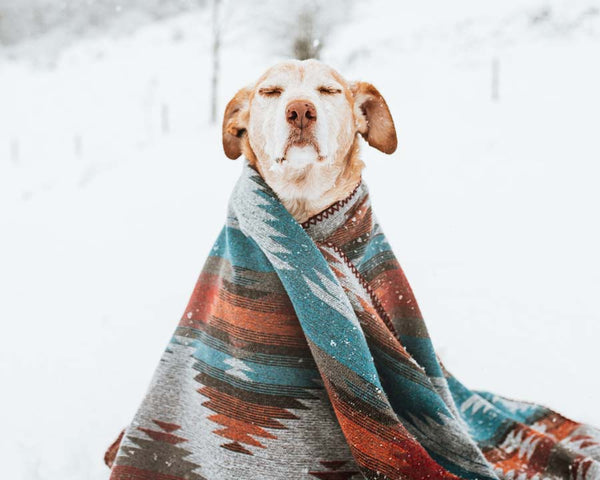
[309,72]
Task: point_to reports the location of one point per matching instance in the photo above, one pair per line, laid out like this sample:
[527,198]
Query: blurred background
[113,187]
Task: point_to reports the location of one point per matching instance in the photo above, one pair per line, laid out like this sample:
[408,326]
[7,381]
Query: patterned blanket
[303,355]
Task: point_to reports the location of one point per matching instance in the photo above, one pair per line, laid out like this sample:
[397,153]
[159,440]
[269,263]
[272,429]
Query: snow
[113,188]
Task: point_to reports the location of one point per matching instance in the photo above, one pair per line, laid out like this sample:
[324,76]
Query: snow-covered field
[113,187]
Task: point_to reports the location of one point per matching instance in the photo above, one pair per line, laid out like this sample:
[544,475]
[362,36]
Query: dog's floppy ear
[235,122]
[375,122]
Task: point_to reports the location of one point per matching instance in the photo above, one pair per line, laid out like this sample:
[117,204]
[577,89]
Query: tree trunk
[216,51]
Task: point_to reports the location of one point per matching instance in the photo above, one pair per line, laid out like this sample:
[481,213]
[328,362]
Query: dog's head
[298,126]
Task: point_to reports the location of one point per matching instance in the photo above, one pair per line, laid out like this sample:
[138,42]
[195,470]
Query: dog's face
[299,116]
[298,126]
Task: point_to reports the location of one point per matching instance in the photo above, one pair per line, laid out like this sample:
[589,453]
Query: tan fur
[378,130]
[234,121]
[255,116]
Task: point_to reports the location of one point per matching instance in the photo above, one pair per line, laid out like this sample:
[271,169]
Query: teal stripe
[377,244]
[421,349]
[252,371]
[240,251]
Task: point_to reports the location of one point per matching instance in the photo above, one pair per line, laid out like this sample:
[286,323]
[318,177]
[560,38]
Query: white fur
[301,173]
[268,114]
[300,157]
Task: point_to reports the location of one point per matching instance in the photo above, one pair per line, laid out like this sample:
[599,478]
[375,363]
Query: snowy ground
[113,188]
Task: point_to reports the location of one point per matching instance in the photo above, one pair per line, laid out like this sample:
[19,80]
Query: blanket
[302,354]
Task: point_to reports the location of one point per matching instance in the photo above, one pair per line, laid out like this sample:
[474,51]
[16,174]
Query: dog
[299,126]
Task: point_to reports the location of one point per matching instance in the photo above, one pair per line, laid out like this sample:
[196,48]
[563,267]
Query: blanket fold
[302,354]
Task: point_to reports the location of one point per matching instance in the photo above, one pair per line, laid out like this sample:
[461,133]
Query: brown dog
[298,125]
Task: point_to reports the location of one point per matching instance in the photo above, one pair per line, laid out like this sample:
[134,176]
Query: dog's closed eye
[270,91]
[324,90]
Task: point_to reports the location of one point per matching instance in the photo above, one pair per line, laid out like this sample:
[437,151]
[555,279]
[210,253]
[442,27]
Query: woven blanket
[302,354]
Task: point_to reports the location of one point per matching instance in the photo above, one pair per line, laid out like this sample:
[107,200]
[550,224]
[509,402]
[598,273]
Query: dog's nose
[301,113]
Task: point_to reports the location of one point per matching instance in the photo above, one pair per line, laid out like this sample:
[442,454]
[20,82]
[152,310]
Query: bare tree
[495,79]
[24,19]
[306,43]
[216,52]
[300,28]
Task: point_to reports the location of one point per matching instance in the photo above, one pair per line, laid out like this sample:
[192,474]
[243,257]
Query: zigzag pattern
[303,354]
[329,211]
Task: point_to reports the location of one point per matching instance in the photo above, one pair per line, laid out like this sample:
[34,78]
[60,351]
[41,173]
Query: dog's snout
[301,113]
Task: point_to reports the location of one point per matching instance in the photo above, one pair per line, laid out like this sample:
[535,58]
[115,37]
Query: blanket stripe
[303,354]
